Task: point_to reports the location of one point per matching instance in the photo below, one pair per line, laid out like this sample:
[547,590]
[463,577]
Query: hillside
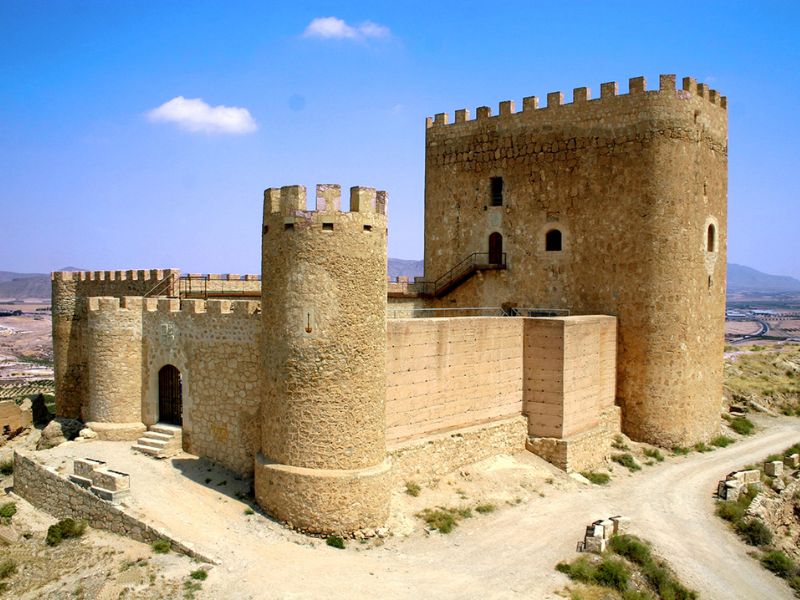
[25,286]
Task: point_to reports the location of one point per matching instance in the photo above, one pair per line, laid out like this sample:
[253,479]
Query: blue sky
[90,176]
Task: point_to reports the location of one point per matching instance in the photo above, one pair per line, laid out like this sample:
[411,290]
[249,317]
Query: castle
[574,287]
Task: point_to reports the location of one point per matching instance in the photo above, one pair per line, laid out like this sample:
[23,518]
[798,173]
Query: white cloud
[333,28]
[192,114]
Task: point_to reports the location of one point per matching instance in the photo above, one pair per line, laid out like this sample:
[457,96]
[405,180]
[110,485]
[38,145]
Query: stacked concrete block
[792,461]
[773,468]
[103,482]
[599,533]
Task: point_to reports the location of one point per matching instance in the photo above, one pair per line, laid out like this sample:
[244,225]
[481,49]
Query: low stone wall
[583,451]
[436,456]
[52,493]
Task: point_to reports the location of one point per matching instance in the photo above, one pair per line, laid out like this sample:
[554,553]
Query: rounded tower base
[117,432]
[324,500]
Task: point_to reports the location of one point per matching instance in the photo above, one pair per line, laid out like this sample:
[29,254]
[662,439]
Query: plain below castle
[610,213]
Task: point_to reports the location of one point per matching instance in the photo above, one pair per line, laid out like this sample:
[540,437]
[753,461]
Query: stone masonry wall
[47,490]
[450,373]
[70,290]
[215,346]
[633,183]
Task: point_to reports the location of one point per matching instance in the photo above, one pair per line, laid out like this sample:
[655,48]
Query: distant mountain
[24,286]
[746,279]
[20,286]
[409,268]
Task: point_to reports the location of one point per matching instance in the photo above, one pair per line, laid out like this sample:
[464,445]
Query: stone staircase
[161,441]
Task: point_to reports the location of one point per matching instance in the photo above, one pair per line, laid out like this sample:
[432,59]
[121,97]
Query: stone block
[773,468]
[608,528]
[792,461]
[622,524]
[84,467]
[84,482]
[596,544]
[746,477]
[108,479]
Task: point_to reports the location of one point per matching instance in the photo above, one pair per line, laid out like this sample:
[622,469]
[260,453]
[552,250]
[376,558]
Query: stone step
[165,429]
[158,444]
[155,435]
[146,450]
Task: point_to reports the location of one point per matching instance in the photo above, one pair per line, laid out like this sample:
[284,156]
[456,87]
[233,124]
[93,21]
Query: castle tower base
[117,432]
[324,500]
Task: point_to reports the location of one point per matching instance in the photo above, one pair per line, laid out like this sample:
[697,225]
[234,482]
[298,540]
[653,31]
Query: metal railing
[165,287]
[473,311]
[204,287]
[476,261]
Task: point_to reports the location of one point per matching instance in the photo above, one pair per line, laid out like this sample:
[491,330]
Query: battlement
[132,275]
[401,286]
[582,96]
[290,200]
[108,304]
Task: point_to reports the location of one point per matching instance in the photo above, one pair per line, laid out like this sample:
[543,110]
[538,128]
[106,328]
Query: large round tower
[323,464]
[114,344]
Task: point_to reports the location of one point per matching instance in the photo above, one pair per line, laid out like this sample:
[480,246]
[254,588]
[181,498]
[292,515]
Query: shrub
[597,478]
[334,541]
[730,511]
[654,453]
[632,548]
[485,508]
[249,511]
[612,573]
[722,441]
[444,519]
[199,574]
[580,569]
[6,467]
[63,530]
[680,450]
[619,443]
[412,489]
[636,595]
[702,447]
[754,532]
[8,510]
[626,460]
[777,562]
[742,425]
[7,568]
[161,546]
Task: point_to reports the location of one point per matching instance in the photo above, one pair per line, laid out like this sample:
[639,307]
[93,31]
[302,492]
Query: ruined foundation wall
[636,184]
[451,373]
[69,293]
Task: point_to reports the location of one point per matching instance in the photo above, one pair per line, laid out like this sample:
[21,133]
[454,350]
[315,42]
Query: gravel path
[507,554]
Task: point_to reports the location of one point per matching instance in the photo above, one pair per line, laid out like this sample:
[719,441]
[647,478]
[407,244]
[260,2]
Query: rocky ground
[538,516]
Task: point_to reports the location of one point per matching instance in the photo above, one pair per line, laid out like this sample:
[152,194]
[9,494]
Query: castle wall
[632,182]
[446,374]
[70,291]
[215,346]
[570,373]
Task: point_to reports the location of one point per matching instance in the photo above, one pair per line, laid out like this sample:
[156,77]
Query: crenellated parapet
[140,275]
[402,287]
[581,96]
[291,200]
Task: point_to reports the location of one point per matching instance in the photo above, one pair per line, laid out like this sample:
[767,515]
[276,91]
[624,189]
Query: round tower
[114,348]
[323,464]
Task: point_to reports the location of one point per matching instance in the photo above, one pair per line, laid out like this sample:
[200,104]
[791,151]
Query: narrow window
[711,239]
[266,229]
[496,249]
[327,226]
[497,191]
[552,241]
[367,227]
[288,226]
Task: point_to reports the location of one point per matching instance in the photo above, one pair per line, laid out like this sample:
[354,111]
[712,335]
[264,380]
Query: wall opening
[495,249]
[327,226]
[711,238]
[496,185]
[552,241]
[367,227]
[170,396]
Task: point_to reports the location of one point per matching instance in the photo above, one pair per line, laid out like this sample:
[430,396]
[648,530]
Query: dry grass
[765,374]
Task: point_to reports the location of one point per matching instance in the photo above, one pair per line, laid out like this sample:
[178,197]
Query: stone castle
[574,287]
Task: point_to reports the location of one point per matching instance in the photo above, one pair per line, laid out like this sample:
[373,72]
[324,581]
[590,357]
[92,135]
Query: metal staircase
[477,261]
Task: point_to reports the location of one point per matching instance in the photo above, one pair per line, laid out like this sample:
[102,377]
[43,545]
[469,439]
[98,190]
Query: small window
[266,229]
[711,239]
[327,226]
[497,191]
[552,241]
[288,226]
[367,227]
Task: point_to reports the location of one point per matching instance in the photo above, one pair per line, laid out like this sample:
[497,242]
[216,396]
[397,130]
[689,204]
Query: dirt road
[507,554]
